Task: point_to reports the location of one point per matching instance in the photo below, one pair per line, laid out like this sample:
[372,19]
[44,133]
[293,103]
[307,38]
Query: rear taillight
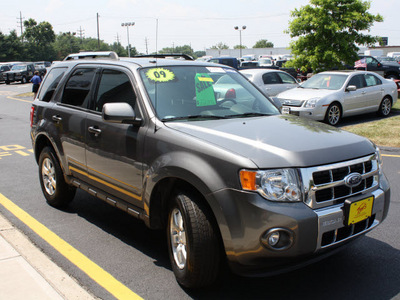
[230,94]
[31,115]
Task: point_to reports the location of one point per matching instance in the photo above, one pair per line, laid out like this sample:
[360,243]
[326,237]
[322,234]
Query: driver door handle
[95,130]
[56,118]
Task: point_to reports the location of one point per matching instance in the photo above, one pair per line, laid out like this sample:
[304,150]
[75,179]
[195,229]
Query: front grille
[289,102]
[327,184]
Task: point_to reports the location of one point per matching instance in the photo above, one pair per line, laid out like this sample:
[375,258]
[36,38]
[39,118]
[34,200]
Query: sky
[169,23]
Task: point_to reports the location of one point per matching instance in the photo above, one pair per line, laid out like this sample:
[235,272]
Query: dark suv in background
[196,150]
[20,72]
[4,68]
[387,69]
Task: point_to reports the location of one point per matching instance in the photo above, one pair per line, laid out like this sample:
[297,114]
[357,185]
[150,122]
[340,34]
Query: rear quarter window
[50,84]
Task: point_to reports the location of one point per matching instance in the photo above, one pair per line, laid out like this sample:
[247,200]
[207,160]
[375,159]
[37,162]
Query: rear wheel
[333,114]
[193,244]
[385,107]
[56,191]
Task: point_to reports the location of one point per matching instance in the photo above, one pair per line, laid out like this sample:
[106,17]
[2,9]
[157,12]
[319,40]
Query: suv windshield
[325,81]
[18,68]
[198,92]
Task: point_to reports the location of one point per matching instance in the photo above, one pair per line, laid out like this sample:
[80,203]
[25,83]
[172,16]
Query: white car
[329,96]
[270,81]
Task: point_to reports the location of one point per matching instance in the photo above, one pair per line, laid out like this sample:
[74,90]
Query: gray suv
[195,149]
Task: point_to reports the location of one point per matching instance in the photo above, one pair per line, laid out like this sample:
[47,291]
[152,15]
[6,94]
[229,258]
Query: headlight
[275,185]
[379,157]
[311,103]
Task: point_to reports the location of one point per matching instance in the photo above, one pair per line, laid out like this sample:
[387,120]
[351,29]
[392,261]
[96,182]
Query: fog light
[277,239]
[273,238]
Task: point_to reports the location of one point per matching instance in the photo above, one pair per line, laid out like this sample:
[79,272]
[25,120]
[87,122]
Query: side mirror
[351,88]
[120,112]
[379,65]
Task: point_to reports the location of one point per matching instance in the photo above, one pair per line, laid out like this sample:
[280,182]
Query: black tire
[23,80]
[333,114]
[56,191]
[385,108]
[193,244]
[7,82]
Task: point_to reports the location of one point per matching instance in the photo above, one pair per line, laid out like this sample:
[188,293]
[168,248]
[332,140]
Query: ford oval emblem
[353,179]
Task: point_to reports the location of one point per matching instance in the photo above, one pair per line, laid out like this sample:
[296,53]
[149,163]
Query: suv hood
[279,141]
[300,93]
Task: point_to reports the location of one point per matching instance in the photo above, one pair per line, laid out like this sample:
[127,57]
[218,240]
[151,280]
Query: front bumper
[317,113]
[245,217]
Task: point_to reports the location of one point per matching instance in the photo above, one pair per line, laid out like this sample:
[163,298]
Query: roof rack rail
[168,55]
[93,55]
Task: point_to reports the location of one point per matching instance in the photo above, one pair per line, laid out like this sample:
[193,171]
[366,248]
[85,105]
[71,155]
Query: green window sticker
[160,75]
[204,90]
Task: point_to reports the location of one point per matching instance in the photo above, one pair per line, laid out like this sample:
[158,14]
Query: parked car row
[22,71]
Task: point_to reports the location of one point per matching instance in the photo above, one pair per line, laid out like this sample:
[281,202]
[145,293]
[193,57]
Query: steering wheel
[220,102]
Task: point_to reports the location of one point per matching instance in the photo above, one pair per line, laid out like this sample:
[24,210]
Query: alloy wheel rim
[386,106]
[49,176]
[178,238]
[334,115]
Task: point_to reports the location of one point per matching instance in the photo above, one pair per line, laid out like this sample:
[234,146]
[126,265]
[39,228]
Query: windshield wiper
[252,114]
[193,117]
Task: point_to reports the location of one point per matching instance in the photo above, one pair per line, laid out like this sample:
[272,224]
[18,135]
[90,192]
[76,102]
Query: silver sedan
[270,81]
[329,96]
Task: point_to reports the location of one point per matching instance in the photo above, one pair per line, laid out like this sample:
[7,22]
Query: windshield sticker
[160,75]
[215,70]
[204,90]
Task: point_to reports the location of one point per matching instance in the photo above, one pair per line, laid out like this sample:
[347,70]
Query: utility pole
[98,32]
[20,24]
[81,32]
[117,39]
[146,42]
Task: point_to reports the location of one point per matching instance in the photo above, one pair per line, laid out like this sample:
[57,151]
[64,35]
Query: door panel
[113,151]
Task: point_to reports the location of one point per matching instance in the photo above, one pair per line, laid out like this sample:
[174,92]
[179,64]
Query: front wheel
[193,244]
[385,107]
[333,114]
[23,80]
[56,191]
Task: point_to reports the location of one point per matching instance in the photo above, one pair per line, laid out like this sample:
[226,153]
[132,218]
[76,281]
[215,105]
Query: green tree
[198,54]
[11,47]
[185,49]
[220,46]
[239,47]
[328,33]
[39,38]
[263,44]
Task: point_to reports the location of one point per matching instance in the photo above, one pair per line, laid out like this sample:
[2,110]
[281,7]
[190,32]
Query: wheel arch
[42,141]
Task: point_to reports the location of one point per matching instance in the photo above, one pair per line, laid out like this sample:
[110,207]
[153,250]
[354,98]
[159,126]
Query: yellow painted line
[99,275]
[9,97]
[22,153]
[390,155]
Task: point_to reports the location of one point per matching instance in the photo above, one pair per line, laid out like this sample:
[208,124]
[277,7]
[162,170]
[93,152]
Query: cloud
[53,6]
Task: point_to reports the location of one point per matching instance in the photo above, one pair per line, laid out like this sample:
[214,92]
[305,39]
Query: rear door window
[78,86]
[50,84]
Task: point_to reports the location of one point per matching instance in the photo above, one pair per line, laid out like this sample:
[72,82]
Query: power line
[20,23]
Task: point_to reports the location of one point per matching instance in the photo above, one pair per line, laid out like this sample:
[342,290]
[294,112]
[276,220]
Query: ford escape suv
[197,150]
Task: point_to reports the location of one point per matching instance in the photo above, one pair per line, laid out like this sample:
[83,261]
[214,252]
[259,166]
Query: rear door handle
[56,118]
[94,130]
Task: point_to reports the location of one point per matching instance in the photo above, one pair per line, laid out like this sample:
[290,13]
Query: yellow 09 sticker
[160,74]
